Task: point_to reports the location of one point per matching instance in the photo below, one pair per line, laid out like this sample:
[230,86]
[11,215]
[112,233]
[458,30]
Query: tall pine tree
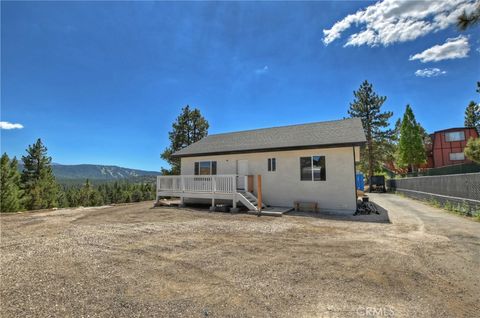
[38,181]
[411,151]
[86,193]
[189,127]
[367,106]
[472,115]
[10,193]
[472,112]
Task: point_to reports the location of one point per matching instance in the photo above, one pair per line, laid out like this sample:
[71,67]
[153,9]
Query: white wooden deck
[212,187]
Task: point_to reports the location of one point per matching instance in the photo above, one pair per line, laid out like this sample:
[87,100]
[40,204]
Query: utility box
[360,182]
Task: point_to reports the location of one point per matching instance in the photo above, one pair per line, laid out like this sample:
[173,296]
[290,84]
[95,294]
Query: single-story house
[312,162]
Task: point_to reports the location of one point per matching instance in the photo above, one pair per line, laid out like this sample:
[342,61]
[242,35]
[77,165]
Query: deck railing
[201,183]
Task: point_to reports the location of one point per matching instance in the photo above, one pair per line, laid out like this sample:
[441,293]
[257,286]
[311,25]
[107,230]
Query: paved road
[431,220]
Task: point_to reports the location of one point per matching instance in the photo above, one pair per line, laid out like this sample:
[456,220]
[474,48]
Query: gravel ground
[136,261]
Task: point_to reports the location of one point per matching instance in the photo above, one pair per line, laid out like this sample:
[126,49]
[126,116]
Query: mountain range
[97,172]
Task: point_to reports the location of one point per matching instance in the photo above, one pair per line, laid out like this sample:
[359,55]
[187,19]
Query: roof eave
[230,152]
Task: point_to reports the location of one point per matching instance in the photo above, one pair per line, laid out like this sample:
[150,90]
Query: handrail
[197,183]
[199,175]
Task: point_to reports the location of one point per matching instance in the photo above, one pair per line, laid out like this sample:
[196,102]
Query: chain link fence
[456,188]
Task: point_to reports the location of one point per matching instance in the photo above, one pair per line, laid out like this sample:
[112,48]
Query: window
[272,164]
[312,168]
[457,156]
[205,168]
[455,136]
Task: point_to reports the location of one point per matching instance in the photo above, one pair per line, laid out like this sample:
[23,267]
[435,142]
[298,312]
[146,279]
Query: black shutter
[196,169]
[269,164]
[214,167]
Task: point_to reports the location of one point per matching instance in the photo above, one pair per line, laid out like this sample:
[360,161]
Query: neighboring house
[448,145]
[311,162]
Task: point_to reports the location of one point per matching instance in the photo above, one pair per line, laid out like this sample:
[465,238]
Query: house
[312,162]
[448,145]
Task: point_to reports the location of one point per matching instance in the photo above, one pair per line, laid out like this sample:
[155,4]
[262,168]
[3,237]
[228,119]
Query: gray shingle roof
[313,135]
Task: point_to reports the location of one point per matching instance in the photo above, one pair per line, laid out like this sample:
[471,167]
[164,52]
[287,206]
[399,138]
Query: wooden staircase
[249,200]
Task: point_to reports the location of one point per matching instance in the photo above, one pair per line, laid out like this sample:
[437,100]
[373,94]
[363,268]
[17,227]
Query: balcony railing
[198,184]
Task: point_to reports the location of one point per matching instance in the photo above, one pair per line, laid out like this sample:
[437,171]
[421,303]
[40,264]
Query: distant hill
[98,173]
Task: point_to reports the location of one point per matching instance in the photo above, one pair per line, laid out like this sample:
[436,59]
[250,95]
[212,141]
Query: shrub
[472,151]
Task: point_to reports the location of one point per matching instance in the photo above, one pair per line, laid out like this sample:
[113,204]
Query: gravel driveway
[136,261]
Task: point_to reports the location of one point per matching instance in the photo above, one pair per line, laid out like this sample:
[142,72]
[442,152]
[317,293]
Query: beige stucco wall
[283,186]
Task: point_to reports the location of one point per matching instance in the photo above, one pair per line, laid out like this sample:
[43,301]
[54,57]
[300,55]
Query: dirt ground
[136,261]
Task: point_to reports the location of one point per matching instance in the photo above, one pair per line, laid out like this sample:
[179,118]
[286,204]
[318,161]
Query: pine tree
[189,127]
[85,193]
[472,115]
[73,197]
[426,139]
[136,195]
[95,198]
[62,198]
[472,150]
[411,151]
[10,193]
[472,112]
[367,106]
[38,181]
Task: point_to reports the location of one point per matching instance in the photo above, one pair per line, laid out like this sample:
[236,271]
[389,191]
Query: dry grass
[134,261]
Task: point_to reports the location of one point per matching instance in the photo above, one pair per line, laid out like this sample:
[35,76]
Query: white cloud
[453,48]
[429,72]
[391,21]
[7,125]
[262,70]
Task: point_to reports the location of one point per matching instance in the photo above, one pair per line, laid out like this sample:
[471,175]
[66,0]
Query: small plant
[465,209]
[460,208]
[434,203]
[400,194]
[448,206]
[476,213]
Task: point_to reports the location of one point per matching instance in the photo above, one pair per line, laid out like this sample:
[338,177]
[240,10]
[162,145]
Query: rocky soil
[139,261]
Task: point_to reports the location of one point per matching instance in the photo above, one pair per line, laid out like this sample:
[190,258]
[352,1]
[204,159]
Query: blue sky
[102,82]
